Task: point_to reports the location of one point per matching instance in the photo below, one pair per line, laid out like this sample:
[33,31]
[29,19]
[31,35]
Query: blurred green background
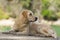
[48,9]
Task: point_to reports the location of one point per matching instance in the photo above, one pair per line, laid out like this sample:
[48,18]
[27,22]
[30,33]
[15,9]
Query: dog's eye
[30,14]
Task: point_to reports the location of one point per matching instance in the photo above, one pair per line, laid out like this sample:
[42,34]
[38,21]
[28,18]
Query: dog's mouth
[34,20]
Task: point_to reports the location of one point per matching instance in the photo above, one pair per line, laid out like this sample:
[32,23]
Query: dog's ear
[24,13]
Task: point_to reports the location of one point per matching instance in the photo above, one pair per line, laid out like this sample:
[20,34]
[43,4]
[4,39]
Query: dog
[28,24]
[22,22]
[42,29]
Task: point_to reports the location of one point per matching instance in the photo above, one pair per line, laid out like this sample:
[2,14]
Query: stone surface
[17,37]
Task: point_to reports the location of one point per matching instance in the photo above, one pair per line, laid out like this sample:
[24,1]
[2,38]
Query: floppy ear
[24,13]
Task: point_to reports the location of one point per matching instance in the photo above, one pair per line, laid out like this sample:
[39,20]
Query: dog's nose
[36,18]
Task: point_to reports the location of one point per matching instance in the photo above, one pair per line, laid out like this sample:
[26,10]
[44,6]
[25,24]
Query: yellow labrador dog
[21,25]
[22,22]
[42,29]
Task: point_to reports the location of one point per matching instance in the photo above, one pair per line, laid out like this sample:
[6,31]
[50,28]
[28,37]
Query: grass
[5,28]
[57,29]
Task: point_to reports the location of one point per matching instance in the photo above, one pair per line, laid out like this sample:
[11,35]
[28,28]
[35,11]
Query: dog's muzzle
[34,20]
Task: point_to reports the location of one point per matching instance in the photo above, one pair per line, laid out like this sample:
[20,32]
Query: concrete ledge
[25,38]
[15,37]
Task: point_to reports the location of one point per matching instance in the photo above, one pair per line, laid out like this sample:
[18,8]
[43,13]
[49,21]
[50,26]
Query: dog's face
[29,15]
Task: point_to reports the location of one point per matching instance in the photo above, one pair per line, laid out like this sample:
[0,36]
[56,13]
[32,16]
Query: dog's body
[42,29]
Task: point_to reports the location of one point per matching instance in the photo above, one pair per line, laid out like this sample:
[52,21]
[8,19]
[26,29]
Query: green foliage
[49,15]
[57,3]
[58,14]
[8,8]
[45,4]
[3,15]
[25,3]
[46,13]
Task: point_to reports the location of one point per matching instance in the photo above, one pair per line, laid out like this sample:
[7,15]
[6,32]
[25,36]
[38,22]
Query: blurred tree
[9,0]
[36,7]
[58,14]
[49,10]
[3,15]
[49,15]
[15,6]
[25,3]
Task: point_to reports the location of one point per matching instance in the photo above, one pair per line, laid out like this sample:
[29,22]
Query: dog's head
[29,15]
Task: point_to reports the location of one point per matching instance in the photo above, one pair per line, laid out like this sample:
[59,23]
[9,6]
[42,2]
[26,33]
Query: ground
[15,37]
